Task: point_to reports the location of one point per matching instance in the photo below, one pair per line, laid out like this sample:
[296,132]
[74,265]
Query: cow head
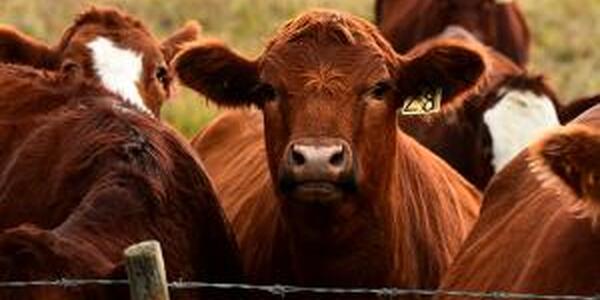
[109,46]
[516,112]
[329,87]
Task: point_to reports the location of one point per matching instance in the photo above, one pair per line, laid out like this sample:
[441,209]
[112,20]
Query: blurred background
[565,35]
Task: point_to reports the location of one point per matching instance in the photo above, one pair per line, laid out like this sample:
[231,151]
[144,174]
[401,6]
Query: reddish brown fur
[405,23]
[18,119]
[71,54]
[30,253]
[93,177]
[411,211]
[536,232]
[572,154]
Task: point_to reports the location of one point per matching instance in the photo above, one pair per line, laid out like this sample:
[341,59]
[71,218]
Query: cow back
[534,235]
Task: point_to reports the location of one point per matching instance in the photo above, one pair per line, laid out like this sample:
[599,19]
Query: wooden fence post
[146,272]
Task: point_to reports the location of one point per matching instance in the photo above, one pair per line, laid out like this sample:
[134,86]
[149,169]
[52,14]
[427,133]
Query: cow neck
[429,222]
[364,257]
[363,260]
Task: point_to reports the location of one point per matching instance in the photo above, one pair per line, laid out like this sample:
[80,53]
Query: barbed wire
[282,290]
[63,282]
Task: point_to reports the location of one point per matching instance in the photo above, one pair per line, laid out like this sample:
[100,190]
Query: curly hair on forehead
[109,17]
[326,26]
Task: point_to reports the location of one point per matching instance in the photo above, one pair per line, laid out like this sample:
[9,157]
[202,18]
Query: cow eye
[162,75]
[379,90]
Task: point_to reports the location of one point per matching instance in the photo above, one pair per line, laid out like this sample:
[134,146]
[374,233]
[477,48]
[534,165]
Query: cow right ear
[18,48]
[432,77]
[223,76]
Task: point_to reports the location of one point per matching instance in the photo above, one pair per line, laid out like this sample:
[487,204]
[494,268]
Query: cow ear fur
[448,67]
[18,48]
[176,41]
[212,69]
[573,154]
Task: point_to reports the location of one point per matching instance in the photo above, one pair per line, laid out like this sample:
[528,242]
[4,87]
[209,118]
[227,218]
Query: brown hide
[538,228]
[93,177]
[325,77]
[30,253]
[73,53]
[405,23]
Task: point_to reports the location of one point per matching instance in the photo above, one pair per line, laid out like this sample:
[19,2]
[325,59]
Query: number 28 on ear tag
[429,101]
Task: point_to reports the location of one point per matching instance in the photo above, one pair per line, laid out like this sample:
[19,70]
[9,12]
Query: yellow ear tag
[429,101]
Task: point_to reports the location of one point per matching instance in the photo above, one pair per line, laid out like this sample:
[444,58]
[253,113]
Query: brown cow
[490,124]
[482,134]
[95,176]
[103,44]
[110,46]
[497,23]
[493,122]
[538,230]
[321,188]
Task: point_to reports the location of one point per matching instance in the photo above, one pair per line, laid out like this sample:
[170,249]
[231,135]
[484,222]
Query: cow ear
[573,154]
[176,41]
[223,76]
[18,48]
[577,107]
[440,72]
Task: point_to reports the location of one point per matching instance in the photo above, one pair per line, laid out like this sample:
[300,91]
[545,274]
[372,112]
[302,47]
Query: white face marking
[119,70]
[517,119]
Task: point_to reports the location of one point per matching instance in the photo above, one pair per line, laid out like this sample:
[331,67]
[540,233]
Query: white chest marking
[517,119]
[119,70]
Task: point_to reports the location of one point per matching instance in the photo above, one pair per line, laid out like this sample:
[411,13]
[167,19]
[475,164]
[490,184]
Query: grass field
[565,34]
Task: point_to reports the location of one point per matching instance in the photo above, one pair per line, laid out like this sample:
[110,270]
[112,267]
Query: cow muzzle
[317,170]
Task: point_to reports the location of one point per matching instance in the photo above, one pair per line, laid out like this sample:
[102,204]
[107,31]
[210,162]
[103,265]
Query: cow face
[516,112]
[110,47]
[329,87]
[320,85]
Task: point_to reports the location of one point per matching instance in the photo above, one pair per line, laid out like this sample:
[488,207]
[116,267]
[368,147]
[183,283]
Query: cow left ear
[438,74]
[176,41]
[215,71]
[18,48]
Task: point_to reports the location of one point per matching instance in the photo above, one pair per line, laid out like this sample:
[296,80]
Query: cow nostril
[297,158]
[337,159]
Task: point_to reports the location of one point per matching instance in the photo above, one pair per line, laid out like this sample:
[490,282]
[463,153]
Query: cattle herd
[417,152]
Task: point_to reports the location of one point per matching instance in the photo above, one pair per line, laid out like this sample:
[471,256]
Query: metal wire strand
[283,290]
